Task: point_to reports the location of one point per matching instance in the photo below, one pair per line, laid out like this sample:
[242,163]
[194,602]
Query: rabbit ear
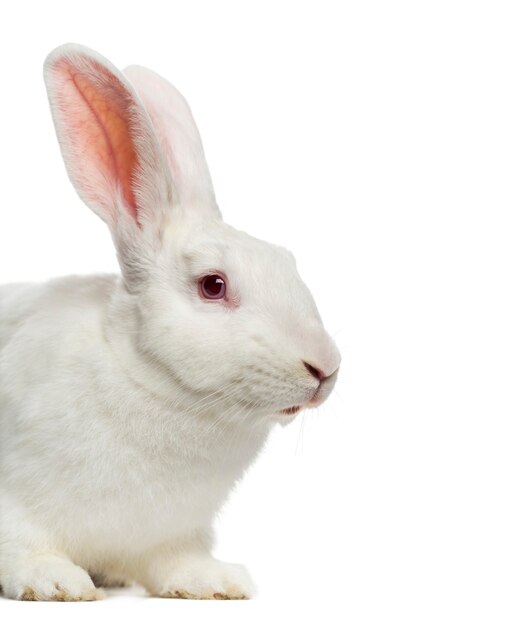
[179,140]
[109,147]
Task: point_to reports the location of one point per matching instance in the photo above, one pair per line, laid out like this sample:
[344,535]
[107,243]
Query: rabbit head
[226,314]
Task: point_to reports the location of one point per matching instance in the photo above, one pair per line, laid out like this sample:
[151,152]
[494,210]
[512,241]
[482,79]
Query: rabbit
[130,405]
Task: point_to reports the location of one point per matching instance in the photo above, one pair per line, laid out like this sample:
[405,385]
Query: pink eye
[213,287]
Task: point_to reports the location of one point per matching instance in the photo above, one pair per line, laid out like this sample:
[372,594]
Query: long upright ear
[179,139]
[108,143]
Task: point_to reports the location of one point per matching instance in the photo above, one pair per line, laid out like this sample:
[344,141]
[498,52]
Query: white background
[378,141]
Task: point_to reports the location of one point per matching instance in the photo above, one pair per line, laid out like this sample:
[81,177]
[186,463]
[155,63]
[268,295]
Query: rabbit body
[130,405]
[118,470]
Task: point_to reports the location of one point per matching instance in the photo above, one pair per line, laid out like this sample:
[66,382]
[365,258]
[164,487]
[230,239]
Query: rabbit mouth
[311,403]
[319,396]
[292,410]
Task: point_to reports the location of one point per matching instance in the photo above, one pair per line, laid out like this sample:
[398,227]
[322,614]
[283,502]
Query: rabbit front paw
[49,578]
[205,578]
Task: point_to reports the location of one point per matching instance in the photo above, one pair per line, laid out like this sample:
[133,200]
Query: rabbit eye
[213,287]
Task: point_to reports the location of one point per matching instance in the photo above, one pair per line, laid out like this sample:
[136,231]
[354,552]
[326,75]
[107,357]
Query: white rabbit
[131,405]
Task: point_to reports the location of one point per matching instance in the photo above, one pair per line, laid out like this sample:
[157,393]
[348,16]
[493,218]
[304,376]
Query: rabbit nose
[315,372]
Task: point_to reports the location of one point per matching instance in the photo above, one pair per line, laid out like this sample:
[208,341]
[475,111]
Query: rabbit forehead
[218,246]
[196,242]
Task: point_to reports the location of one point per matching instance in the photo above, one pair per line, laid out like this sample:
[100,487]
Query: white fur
[129,407]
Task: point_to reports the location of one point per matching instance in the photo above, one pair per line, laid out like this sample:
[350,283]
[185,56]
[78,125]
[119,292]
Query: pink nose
[315,372]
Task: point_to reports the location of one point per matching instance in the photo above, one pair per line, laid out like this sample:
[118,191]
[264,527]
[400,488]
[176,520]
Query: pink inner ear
[99,122]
